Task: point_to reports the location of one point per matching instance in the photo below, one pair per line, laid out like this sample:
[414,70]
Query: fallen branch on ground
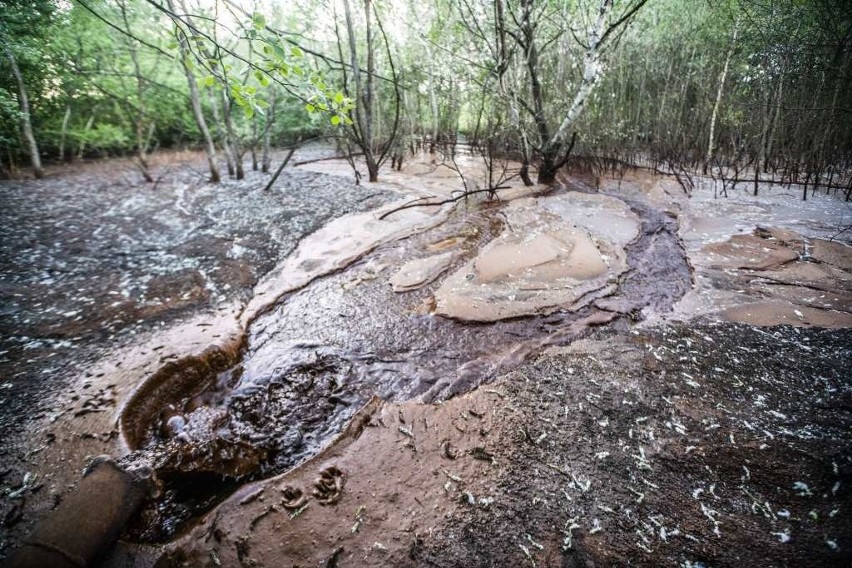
[442,202]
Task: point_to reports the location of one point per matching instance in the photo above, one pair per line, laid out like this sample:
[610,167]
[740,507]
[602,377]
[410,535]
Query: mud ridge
[174,381]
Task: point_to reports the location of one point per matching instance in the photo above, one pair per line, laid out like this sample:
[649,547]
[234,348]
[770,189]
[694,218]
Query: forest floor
[689,404]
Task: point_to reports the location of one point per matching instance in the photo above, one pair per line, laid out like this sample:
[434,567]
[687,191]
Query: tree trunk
[364,92]
[254,139]
[266,161]
[223,139]
[139,114]
[770,138]
[232,143]
[86,129]
[26,124]
[195,101]
[283,165]
[433,100]
[711,143]
[525,173]
[369,94]
[64,131]
[547,167]
[549,149]
[592,70]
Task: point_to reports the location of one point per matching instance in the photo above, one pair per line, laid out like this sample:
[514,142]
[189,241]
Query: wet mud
[92,259]
[216,408]
[675,445]
[320,353]
[783,278]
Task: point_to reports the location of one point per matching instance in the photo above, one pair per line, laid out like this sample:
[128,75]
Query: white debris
[711,514]
[641,460]
[534,543]
[596,526]
[570,526]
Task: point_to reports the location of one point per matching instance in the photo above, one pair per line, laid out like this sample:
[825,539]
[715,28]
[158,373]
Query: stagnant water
[314,359]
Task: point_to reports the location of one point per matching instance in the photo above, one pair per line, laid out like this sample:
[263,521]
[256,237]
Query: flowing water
[320,353]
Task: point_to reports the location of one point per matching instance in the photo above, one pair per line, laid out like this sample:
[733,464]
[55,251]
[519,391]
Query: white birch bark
[592,71]
[711,143]
[26,123]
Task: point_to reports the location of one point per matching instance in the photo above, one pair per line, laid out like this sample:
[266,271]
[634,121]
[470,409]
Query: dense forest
[745,91]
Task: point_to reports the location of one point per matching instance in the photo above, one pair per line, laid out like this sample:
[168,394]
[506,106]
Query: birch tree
[522,46]
[24,104]
[195,98]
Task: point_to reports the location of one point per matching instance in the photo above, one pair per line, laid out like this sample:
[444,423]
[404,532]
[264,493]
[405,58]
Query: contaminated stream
[316,356]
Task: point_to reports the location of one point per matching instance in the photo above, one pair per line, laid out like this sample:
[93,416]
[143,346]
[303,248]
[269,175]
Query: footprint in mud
[328,487]
[449,451]
[292,497]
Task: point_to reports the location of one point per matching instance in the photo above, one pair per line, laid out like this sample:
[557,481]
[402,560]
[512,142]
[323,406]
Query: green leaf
[279,51]
[310,108]
[261,78]
[338,98]
[258,20]
[209,81]
[296,52]
[335,120]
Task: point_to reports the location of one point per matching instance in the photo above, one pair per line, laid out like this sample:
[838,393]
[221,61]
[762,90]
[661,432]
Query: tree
[362,89]
[17,21]
[23,101]
[195,97]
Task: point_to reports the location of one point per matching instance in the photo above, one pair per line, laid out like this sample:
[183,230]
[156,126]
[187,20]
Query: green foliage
[104,137]
[9,117]
[655,98]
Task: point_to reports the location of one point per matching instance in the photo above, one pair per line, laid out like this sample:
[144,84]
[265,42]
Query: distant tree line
[748,91]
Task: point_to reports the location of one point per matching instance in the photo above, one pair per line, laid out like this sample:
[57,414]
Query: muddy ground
[677,446]
[90,258]
[93,261]
[670,435]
